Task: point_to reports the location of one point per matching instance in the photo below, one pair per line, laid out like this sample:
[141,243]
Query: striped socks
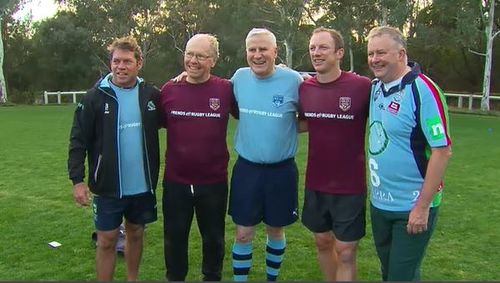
[242,261]
[275,251]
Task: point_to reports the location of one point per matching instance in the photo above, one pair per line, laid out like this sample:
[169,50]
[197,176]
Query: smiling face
[261,54]
[125,68]
[199,59]
[325,56]
[386,58]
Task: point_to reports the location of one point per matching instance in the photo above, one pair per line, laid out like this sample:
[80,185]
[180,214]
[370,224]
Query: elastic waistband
[277,164]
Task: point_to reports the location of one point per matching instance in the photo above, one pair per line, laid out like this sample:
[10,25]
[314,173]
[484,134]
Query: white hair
[261,31]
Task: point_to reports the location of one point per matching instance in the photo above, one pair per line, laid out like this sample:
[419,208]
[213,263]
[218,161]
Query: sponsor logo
[435,128]
[394,107]
[278,100]
[80,105]
[151,106]
[214,103]
[106,108]
[345,103]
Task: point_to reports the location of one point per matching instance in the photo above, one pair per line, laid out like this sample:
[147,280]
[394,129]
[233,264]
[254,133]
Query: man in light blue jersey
[409,149]
[265,177]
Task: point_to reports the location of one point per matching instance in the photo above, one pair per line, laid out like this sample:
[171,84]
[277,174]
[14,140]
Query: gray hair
[261,31]
[394,33]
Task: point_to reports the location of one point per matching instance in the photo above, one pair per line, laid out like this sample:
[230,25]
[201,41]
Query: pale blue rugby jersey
[267,128]
[405,123]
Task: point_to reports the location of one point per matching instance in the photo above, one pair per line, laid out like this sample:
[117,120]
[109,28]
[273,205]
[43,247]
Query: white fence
[470,97]
[460,104]
[46,95]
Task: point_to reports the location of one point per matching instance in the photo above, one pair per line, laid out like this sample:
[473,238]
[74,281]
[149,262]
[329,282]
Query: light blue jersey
[406,121]
[267,128]
[130,139]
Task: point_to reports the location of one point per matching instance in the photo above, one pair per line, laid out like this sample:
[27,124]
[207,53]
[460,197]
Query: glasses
[199,57]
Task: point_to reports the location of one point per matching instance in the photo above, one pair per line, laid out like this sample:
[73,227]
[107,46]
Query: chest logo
[278,100]
[344,103]
[394,107]
[214,103]
[106,108]
[151,106]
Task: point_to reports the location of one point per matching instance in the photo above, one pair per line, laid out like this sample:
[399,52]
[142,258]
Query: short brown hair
[338,40]
[127,43]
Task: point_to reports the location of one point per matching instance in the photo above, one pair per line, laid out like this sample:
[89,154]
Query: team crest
[278,100]
[394,107]
[345,103]
[214,103]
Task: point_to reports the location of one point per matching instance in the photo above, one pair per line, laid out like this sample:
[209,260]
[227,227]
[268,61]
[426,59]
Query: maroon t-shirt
[336,115]
[196,117]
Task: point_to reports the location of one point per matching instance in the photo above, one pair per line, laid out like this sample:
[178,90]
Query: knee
[275,233]
[134,233]
[324,243]
[244,236]
[346,253]
[107,240]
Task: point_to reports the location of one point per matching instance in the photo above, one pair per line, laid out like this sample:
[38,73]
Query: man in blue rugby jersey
[409,149]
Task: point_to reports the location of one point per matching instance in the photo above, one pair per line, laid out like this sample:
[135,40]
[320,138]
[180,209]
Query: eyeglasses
[199,57]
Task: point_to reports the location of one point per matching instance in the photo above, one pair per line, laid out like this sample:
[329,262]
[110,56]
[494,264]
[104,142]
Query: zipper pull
[192,190]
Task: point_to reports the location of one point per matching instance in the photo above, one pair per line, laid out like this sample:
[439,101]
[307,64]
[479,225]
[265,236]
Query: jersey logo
[278,100]
[106,108]
[345,103]
[151,106]
[435,127]
[394,107]
[214,103]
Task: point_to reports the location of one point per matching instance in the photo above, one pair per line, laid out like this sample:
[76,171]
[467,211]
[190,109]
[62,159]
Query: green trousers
[400,253]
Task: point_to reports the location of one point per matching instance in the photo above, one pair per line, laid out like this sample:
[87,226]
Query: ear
[402,53]
[275,51]
[139,64]
[340,53]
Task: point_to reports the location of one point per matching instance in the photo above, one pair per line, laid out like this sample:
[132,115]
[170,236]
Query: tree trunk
[289,53]
[485,100]
[3,89]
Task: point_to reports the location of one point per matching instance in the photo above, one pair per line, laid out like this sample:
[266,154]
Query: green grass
[37,207]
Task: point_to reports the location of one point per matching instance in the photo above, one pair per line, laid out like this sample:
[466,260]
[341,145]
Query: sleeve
[235,110]
[299,108]
[433,113]
[162,104]
[80,139]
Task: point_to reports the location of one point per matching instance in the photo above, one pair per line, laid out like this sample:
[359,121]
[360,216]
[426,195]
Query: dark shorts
[264,192]
[344,215]
[137,209]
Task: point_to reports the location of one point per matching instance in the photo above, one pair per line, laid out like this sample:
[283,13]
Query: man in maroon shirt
[334,109]
[195,113]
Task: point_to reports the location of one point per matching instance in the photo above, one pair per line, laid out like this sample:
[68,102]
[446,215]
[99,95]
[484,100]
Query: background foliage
[68,51]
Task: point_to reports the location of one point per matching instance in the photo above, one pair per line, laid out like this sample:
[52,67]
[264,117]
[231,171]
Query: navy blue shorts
[137,209]
[264,192]
[344,215]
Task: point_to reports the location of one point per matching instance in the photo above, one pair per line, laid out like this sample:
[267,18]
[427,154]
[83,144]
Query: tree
[7,8]
[490,34]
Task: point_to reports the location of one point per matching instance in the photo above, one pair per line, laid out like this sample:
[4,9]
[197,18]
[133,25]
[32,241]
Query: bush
[22,97]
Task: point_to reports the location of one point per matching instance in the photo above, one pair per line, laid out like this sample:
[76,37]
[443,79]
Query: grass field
[36,207]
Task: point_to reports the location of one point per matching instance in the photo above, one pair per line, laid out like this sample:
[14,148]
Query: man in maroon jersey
[334,109]
[195,113]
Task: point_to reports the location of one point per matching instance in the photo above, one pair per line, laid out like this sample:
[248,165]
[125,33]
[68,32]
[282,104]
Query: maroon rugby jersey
[336,115]
[196,117]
